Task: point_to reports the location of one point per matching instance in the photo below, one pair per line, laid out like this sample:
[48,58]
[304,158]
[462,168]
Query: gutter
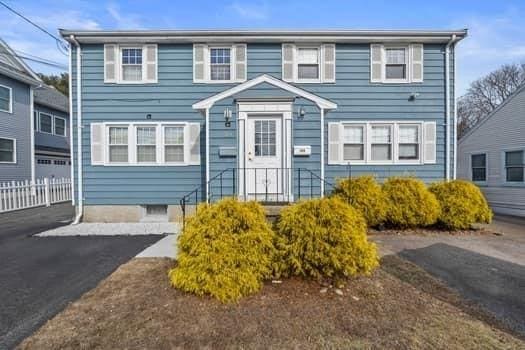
[80,205]
[452,40]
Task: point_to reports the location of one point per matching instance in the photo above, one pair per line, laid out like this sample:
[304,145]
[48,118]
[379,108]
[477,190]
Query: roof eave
[20,77]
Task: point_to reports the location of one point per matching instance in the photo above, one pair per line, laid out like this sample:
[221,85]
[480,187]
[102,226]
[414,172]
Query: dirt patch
[431,231]
[135,308]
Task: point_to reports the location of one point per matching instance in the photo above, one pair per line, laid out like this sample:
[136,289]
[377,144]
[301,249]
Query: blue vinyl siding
[52,140]
[172,97]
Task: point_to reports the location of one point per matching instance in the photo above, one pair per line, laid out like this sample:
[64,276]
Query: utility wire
[38,60]
[18,52]
[57,39]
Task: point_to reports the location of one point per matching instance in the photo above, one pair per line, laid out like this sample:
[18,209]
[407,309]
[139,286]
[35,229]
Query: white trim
[207,127]
[207,62]
[504,152]
[320,62]
[32,131]
[322,152]
[455,122]
[118,64]
[486,167]
[10,111]
[14,150]
[408,61]
[40,125]
[210,101]
[394,126]
[70,115]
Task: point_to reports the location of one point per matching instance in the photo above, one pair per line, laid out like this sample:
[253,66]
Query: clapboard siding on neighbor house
[17,125]
[503,130]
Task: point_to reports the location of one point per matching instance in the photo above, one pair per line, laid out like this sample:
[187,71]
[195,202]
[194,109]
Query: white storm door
[264,173]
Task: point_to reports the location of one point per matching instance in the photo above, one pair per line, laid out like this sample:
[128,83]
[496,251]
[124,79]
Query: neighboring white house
[492,154]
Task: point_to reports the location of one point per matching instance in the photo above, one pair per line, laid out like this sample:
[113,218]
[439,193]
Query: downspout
[322,152]
[79,131]
[447,107]
[71,148]
[207,128]
[32,131]
[454,170]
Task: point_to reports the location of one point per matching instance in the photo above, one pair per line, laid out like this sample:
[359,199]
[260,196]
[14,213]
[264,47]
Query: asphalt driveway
[486,269]
[40,276]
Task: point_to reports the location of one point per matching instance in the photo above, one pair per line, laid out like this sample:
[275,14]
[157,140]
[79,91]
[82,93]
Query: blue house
[31,147]
[163,118]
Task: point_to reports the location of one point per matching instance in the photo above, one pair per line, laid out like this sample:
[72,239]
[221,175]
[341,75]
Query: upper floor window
[479,167]
[130,64]
[46,123]
[224,64]
[308,63]
[514,166]
[7,150]
[60,126]
[396,63]
[220,63]
[6,102]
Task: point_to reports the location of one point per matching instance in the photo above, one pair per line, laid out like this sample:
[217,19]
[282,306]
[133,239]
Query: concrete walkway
[165,248]
[112,229]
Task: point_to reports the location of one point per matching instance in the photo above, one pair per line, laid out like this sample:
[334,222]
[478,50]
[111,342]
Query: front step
[273,211]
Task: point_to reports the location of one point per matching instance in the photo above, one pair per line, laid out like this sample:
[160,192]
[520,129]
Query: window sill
[12,163]
[219,82]
[143,164]
[513,184]
[7,112]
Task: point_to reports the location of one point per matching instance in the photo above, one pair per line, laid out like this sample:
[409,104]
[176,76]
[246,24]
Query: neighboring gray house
[168,117]
[492,154]
[51,118]
[30,147]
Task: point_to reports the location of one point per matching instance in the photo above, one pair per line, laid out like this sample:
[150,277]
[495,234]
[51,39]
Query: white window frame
[36,116]
[185,148]
[209,64]
[319,64]
[132,144]
[370,143]
[504,166]
[10,111]
[407,63]
[54,126]
[365,148]
[136,143]
[233,63]
[52,122]
[394,124]
[14,150]
[120,73]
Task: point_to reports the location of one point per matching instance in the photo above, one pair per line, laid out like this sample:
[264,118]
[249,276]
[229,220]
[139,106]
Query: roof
[14,67]
[221,35]
[319,101]
[519,90]
[50,97]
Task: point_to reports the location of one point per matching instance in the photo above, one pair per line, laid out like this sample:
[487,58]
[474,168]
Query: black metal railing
[267,185]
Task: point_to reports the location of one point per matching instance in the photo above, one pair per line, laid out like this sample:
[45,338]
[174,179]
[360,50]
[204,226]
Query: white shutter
[97,143]
[328,63]
[193,143]
[429,146]
[417,62]
[199,63]
[240,62]
[150,66]
[110,63]
[335,155]
[376,63]
[288,58]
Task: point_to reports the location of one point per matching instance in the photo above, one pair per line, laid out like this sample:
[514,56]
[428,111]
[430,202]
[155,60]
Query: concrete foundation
[131,213]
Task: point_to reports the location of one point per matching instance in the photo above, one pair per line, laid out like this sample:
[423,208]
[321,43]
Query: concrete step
[273,211]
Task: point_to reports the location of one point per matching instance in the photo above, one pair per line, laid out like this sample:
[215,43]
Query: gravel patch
[113,229]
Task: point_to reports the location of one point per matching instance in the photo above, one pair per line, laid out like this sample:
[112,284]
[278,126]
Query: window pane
[478,174]
[174,153]
[132,73]
[118,135]
[264,138]
[408,134]
[395,71]
[395,56]
[220,72]
[478,160]
[174,135]
[46,123]
[60,126]
[308,56]
[353,134]
[353,152]
[514,158]
[515,174]
[408,151]
[4,98]
[146,154]
[7,150]
[381,152]
[308,71]
[132,56]
[220,56]
[381,134]
[118,154]
[146,135]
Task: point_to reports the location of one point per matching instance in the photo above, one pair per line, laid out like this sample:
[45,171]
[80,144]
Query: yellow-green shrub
[226,250]
[411,204]
[323,238]
[364,194]
[462,204]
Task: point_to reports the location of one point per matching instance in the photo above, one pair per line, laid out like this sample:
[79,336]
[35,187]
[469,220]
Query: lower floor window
[479,167]
[174,144]
[354,145]
[118,144]
[7,150]
[514,166]
[146,144]
[409,142]
[381,143]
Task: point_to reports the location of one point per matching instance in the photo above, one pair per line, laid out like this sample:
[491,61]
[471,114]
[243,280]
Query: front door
[265,176]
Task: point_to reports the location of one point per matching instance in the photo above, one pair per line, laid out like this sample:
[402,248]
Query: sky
[496,28]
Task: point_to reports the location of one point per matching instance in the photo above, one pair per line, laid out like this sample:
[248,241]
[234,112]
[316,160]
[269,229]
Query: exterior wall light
[413,96]
[301,113]
[227,117]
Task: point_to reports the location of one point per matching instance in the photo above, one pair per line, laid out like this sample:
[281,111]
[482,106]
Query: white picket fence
[17,195]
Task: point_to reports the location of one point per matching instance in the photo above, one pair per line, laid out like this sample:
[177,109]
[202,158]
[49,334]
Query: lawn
[135,308]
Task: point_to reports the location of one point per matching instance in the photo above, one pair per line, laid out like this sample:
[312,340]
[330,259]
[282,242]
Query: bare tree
[487,93]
